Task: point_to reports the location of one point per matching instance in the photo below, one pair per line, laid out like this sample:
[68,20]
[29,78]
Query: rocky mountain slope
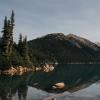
[97,43]
[64,49]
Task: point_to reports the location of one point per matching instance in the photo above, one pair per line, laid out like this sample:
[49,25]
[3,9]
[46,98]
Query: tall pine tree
[20,44]
[7,37]
[23,49]
[26,52]
[11,31]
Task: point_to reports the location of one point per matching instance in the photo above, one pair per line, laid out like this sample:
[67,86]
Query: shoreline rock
[16,70]
[48,67]
[21,69]
[60,85]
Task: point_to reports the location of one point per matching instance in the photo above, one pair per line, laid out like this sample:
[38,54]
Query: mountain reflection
[75,78]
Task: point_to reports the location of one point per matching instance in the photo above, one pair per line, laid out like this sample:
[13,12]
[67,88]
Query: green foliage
[23,50]
[7,37]
[12,54]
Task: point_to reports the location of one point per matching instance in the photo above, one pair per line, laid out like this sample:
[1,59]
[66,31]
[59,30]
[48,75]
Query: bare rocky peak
[73,39]
[71,35]
[97,43]
[77,40]
[59,36]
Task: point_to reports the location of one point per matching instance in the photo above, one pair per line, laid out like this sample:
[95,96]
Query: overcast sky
[36,18]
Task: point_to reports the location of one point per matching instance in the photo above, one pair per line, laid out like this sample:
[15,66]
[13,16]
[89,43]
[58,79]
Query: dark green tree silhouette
[11,28]
[20,43]
[23,50]
[25,47]
[22,46]
[7,37]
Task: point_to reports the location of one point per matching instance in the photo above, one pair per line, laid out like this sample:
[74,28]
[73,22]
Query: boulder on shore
[60,85]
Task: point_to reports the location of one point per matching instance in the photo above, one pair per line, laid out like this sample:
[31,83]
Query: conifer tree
[20,44]
[11,30]
[12,24]
[12,19]
[7,37]
[5,25]
[23,49]
[26,52]
[20,39]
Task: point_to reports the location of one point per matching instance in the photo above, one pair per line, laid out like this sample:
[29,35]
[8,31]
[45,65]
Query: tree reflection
[22,92]
[74,76]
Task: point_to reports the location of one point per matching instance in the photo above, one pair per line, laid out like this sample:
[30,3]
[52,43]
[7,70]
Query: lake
[81,83]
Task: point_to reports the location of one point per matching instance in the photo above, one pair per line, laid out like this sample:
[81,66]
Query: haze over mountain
[65,48]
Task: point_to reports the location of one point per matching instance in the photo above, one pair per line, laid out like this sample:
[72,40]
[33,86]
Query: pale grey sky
[36,18]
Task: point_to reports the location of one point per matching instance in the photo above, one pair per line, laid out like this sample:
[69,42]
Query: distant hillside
[64,49]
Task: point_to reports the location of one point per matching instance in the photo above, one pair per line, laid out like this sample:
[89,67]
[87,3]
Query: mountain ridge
[69,36]
[66,48]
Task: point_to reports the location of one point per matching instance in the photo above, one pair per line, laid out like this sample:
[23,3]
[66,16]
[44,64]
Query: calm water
[81,84]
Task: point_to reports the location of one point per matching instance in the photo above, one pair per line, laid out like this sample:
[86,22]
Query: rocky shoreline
[16,70]
[21,70]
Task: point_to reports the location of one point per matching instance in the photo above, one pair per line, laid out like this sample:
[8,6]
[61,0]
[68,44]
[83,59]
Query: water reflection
[22,92]
[75,77]
[9,86]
